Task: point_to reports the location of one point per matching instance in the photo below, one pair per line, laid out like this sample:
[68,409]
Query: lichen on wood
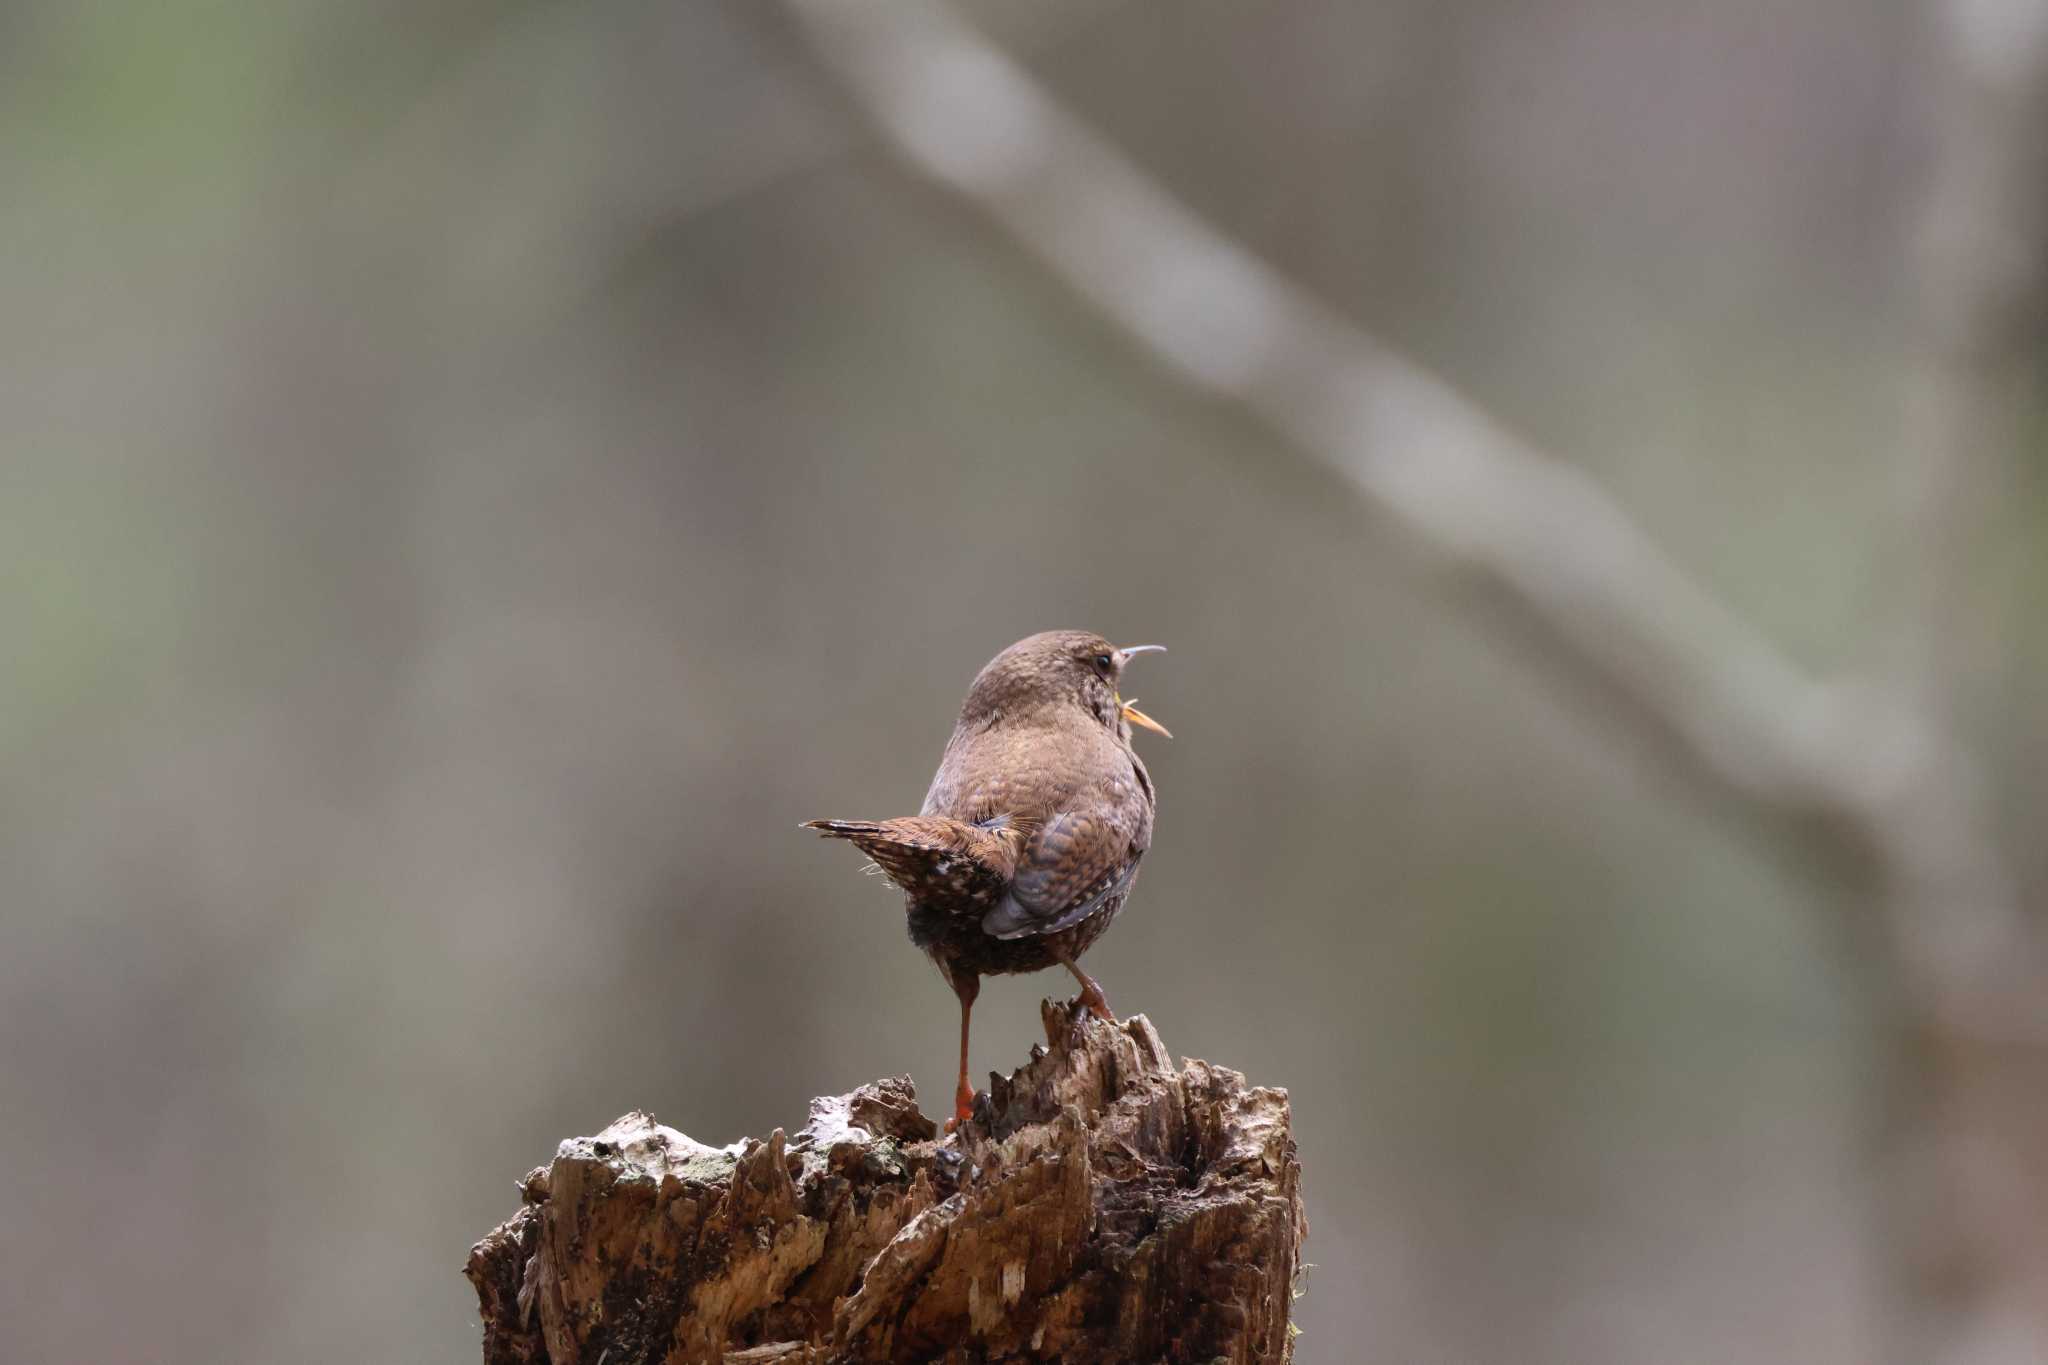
[1102,1206]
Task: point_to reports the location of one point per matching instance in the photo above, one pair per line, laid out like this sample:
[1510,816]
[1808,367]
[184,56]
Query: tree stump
[1102,1207]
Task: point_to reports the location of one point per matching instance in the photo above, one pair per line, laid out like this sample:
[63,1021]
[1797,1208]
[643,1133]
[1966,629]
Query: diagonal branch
[1872,781]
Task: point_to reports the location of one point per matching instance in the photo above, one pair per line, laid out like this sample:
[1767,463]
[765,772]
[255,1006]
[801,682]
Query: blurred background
[474,477]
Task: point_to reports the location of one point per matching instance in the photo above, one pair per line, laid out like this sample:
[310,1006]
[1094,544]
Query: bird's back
[1032,771]
[1082,797]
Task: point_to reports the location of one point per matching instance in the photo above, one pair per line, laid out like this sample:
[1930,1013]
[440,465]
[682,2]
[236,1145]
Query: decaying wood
[1103,1206]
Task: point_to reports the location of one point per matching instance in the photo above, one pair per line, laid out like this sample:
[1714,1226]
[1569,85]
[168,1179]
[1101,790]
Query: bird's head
[1060,668]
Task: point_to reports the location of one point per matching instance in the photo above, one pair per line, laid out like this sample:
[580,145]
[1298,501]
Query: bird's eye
[1102,661]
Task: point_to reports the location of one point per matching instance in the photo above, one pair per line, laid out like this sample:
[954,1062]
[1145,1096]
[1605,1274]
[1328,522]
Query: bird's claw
[1095,1002]
[1078,1011]
[963,1108]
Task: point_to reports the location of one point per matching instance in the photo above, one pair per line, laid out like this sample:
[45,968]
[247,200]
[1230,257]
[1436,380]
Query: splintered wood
[1102,1207]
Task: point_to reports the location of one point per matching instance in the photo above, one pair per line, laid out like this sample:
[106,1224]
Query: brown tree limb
[1103,1206]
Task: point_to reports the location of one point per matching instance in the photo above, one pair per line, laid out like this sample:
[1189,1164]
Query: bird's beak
[1143,721]
[1130,709]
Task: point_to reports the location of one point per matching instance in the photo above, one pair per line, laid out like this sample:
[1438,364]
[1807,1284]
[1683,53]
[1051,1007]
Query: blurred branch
[1971,1120]
[1864,774]
[1980,289]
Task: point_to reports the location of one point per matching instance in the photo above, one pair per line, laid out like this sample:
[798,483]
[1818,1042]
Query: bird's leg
[966,985]
[1091,991]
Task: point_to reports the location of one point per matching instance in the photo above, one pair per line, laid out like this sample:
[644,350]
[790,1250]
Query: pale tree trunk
[1104,1206]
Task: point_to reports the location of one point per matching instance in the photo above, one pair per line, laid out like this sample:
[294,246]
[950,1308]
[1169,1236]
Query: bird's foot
[963,1107]
[1078,1011]
[1095,1002]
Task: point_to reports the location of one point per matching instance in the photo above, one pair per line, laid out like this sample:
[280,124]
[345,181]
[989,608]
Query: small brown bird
[1035,824]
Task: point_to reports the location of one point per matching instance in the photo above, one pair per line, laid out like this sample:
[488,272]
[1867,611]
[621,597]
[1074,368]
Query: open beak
[1143,721]
[1130,708]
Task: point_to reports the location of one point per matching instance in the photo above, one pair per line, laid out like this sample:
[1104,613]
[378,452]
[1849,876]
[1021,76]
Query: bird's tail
[939,861]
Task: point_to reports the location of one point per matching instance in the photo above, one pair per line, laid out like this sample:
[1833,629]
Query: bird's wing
[1071,867]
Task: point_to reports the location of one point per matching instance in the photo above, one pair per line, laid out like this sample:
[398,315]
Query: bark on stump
[1102,1207]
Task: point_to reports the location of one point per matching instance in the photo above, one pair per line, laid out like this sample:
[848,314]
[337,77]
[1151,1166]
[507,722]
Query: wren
[1030,838]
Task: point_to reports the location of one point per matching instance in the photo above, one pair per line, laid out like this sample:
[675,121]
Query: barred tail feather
[941,862]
